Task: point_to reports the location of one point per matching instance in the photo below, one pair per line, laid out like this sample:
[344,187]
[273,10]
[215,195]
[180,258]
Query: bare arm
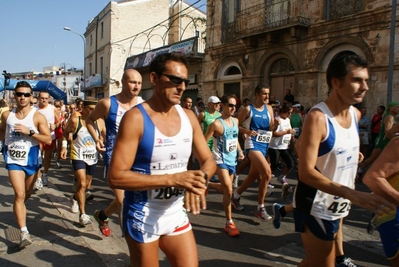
[43,136]
[3,125]
[68,131]
[100,112]
[313,133]
[386,165]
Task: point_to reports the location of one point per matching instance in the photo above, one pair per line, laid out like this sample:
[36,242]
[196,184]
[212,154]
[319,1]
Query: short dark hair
[23,84]
[260,86]
[158,63]
[285,108]
[382,107]
[225,98]
[246,100]
[338,67]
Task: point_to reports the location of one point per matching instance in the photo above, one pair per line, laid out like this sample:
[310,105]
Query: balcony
[92,82]
[272,16]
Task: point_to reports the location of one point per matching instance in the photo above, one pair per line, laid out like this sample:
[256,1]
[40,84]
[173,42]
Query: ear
[335,83]
[153,78]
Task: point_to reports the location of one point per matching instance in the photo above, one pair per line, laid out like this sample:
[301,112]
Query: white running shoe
[38,184]
[84,220]
[262,214]
[235,181]
[270,186]
[25,239]
[75,205]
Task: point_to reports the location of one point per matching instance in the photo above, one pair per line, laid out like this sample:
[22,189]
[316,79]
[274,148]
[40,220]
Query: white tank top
[48,112]
[337,160]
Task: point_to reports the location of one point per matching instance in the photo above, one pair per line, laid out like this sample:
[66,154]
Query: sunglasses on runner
[19,94]
[177,80]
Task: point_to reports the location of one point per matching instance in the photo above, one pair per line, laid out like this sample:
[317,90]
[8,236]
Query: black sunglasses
[19,94]
[231,105]
[177,80]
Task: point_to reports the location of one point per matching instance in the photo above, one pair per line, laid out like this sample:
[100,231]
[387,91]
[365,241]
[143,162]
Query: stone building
[289,43]
[128,28]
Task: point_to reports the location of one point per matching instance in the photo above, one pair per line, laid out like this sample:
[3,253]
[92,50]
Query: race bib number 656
[264,136]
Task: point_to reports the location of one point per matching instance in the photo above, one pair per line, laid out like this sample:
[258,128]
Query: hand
[241,156]
[100,146]
[193,203]
[63,152]
[192,181]
[372,202]
[20,128]
[361,157]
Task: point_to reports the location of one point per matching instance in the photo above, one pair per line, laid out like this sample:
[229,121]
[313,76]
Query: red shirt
[376,123]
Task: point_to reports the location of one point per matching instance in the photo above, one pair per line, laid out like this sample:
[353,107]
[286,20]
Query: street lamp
[84,54]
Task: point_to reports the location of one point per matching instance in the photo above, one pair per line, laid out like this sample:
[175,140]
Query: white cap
[297,105]
[213,99]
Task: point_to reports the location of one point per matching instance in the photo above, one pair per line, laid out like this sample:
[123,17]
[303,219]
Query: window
[90,69]
[102,30]
[101,66]
[91,40]
[336,9]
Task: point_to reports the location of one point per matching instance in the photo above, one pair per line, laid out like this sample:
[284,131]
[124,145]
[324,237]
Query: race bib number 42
[264,136]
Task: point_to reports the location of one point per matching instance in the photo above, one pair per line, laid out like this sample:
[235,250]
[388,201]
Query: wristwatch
[31,132]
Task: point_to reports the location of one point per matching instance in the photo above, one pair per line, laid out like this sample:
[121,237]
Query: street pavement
[58,240]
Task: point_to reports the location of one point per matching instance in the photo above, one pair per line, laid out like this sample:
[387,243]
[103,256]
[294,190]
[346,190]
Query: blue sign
[47,86]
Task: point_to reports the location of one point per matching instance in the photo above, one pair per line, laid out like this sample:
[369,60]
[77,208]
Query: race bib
[264,136]
[231,145]
[337,206]
[17,153]
[88,154]
[286,139]
[166,193]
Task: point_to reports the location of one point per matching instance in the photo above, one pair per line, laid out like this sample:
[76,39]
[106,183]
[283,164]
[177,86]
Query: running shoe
[371,225]
[231,229]
[45,179]
[347,262]
[38,184]
[58,164]
[84,220]
[236,203]
[281,180]
[89,195]
[270,186]
[269,193]
[284,191]
[25,240]
[262,214]
[75,205]
[103,225]
[276,215]
[235,181]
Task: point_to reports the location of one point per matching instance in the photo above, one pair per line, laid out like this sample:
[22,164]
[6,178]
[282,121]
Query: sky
[33,35]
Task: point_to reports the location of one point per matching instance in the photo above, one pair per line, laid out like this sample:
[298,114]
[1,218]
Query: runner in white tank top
[149,161]
[23,128]
[323,196]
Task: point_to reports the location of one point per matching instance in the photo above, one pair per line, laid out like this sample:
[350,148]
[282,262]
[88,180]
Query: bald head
[132,81]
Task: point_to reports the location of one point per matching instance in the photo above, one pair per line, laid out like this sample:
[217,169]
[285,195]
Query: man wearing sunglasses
[22,129]
[151,153]
[224,134]
[112,110]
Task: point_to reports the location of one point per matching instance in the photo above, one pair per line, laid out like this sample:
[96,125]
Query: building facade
[128,28]
[288,44]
